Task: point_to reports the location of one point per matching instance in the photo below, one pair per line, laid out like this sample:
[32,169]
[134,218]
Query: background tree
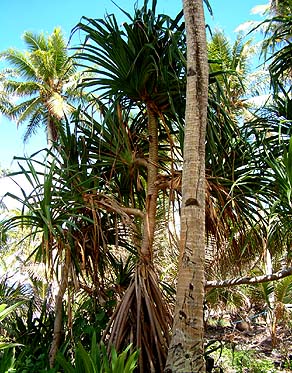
[44,82]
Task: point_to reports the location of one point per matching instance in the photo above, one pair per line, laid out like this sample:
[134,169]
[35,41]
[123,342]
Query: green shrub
[241,361]
[247,359]
[7,350]
[97,361]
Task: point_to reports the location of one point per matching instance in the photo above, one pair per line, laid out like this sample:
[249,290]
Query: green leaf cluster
[97,360]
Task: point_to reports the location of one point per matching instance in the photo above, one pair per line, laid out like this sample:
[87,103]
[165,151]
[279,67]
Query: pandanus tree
[76,232]
[137,68]
[257,143]
[271,127]
[42,82]
[269,133]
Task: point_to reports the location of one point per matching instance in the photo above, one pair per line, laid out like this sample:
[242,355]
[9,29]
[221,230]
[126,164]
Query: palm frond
[35,41]
[16,88]
[24,110]
[22,63]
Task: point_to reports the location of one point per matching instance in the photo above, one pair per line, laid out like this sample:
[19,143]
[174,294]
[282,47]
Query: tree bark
[152,190]
[51,132]
[186,348]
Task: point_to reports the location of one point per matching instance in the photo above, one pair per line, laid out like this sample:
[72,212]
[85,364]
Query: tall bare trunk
[152,192]
[186,346]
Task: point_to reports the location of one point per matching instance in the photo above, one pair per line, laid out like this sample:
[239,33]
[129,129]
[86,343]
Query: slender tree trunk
[58,323]
[186,346]
[152,190]
[50,133]
[143,304]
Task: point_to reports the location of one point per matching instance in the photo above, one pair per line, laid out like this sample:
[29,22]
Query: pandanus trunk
[152,193]
[142,316]
[186,346]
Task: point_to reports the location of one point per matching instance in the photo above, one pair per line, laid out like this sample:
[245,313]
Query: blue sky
[17,16]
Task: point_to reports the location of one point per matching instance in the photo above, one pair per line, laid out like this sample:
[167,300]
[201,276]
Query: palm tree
[43,80]
[186,346]
[231,62]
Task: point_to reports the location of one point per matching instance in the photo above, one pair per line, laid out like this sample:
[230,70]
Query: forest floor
[249,350]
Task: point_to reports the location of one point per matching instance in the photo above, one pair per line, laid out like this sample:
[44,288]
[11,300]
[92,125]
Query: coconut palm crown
[43,80]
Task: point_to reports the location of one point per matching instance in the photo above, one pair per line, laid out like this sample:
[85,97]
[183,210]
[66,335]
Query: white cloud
[246,26]
[259,101]
[260,9]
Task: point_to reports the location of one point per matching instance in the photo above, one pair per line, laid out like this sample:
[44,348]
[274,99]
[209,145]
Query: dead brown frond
[113,227]
[232,243]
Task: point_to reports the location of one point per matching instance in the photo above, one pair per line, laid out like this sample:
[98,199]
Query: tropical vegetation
[44,79]
[164,192]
